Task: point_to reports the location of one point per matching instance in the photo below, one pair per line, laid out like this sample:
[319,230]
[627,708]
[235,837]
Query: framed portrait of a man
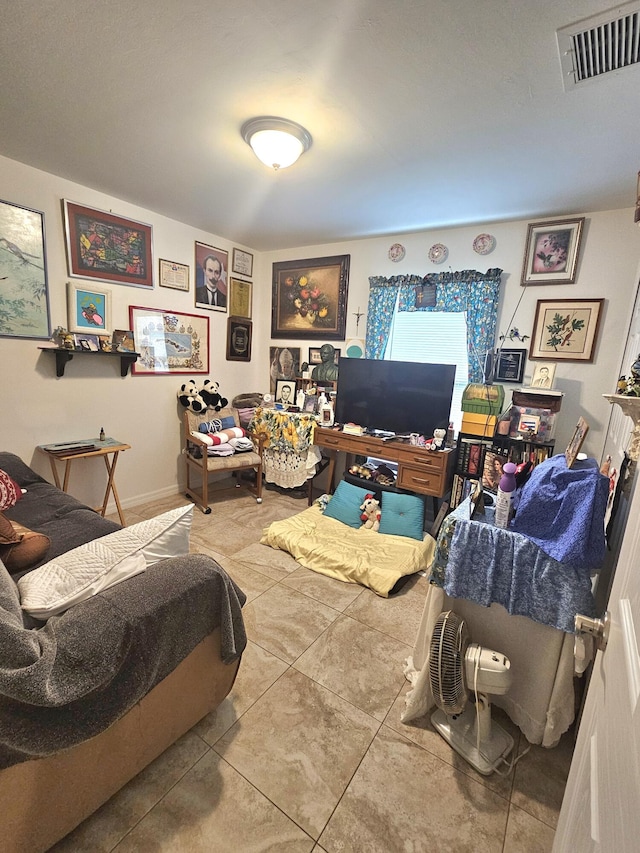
[211,277]
[285,392]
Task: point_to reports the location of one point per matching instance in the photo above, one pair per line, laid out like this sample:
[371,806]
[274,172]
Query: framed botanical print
[566,329]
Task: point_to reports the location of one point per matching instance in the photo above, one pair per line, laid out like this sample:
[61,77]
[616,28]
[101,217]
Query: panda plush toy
[190,397]
[210,392]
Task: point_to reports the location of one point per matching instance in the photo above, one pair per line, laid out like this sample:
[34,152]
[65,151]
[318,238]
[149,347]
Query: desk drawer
[429,463]
[420,479]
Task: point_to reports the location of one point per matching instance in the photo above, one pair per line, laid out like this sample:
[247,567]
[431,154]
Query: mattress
[353,555]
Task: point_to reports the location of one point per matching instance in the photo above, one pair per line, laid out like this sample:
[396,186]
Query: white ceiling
[423,113]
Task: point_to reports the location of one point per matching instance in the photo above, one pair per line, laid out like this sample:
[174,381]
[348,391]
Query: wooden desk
[106,448]
[425,472]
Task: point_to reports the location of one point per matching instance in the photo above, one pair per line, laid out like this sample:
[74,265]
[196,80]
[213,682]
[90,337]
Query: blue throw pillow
[402,515]
[345,504]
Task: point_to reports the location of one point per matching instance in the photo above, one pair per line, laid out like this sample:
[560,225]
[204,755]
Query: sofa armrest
[80,672]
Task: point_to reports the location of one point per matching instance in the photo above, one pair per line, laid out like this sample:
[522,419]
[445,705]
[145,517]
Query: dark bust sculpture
[327,370]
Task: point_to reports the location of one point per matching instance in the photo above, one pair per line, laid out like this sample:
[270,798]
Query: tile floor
[308,752]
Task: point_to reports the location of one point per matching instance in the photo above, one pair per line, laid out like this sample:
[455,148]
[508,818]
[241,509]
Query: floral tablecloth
[290,456]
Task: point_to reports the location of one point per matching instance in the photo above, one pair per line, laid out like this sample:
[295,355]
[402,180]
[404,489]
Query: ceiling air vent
[598,45]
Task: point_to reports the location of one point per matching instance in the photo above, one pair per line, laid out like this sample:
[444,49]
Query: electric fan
[456,668]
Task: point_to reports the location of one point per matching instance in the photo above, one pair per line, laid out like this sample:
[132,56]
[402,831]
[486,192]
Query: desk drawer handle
[420,480]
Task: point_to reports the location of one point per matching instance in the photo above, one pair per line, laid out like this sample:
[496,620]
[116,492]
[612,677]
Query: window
[437,337]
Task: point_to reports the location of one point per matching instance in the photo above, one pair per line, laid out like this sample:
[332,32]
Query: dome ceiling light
[276,142]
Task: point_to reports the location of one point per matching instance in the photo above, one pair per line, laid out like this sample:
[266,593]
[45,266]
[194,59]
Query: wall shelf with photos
[64,355]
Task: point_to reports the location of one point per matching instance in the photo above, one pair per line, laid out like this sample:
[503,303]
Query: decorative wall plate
[484,243]
[438,253]
[397,252]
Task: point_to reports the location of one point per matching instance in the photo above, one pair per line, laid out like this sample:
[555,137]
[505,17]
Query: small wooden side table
[108,447]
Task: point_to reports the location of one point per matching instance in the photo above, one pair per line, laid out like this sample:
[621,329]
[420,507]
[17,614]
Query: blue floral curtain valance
[471,291]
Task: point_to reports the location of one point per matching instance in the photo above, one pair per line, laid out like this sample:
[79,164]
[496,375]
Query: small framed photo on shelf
[510,365]
[310,403]
[122,341]
[285,392]
[89,343]
[551,252]
[242,262]
[174,275]
[543,375]
[315,358]
[106,343]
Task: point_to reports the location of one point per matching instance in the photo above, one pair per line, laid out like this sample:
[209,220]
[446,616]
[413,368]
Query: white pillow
[101,563]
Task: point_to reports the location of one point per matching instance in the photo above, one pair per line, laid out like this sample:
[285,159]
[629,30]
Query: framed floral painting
[309,298]
[551,253]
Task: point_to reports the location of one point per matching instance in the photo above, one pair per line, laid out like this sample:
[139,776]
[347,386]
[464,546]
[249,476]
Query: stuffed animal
[210,393]
[437,442]
[370,509]
[190,397]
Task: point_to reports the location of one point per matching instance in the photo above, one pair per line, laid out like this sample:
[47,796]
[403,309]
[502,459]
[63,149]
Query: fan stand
[461,733]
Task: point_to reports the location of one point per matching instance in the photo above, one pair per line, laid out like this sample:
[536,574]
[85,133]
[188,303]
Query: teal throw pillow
[402,515]
[345,504]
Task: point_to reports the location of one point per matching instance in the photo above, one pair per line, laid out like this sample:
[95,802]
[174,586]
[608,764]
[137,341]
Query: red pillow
[10,491]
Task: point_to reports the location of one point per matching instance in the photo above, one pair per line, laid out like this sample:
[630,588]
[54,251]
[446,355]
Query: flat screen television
[394,396]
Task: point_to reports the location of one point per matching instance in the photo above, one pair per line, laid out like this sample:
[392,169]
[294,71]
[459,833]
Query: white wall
[607,268]
[38,408]
[143,411]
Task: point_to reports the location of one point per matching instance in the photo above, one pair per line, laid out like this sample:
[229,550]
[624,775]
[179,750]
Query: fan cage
[449,642]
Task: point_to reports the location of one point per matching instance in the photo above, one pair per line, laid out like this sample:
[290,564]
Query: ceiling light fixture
[276,142]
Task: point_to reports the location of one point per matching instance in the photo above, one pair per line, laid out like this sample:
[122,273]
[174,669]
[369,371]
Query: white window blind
[436,337]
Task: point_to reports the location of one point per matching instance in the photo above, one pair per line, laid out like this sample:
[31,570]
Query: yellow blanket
[325,545]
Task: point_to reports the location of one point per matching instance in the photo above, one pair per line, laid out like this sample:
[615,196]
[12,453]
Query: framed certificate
[240,293]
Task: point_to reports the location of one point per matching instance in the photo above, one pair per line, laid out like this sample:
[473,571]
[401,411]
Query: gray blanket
[71,678]
[83,670]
